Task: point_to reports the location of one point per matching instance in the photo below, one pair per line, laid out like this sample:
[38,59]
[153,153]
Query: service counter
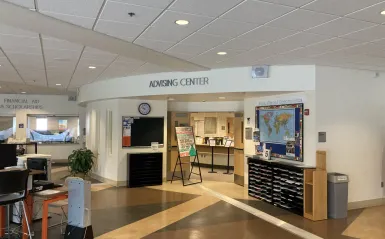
[220,155]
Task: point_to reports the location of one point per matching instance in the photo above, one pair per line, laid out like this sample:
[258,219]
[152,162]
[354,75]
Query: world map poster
[277,126]
[281,130]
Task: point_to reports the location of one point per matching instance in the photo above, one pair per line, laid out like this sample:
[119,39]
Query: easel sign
[186,148]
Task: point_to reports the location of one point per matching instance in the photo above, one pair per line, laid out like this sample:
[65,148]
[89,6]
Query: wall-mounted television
[142,131]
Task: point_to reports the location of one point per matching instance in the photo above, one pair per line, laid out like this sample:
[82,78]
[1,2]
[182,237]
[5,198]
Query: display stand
[186,148]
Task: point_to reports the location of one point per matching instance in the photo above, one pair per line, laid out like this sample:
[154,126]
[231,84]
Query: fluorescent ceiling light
[182,22]
[58,84]
[222,53]
[383,12]
[221,97]
[92,67]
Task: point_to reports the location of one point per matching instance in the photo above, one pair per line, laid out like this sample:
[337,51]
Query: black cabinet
[277,183]
[144,169]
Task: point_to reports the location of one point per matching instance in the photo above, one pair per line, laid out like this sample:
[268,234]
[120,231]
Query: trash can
[337,195]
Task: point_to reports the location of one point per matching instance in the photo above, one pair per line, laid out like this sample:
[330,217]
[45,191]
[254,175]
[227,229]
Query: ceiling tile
[166,33]
[24,3]
[32,74]
[257,12]
[211,57]
[371,14]
[369,34]
[149,68]
[227,28]
[124,31]
[293,3]
[116,11]
[332,45]
[267,34]
[76,20]
[240,43]
[169,17]
[61,55]
[54,43]
[304,39]
[119,69]
[91,53]
[188,49]
[367,49]
[200,39]
[148,3]
[340,7]
[8,30]
[301,20]
[82,8]
[154,45]
[180,55]
[84,62]
[9,40]
[22,50]
[341,27]
[212,8]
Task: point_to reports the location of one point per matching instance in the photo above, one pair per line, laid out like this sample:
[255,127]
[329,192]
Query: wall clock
[144,108]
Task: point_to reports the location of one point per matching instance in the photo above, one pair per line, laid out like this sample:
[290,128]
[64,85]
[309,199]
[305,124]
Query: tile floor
[174,211]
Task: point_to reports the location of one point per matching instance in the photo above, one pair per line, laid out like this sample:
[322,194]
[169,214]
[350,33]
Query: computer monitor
[7,155]
[38,164]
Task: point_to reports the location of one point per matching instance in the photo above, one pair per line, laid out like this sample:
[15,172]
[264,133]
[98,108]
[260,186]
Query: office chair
[13,189]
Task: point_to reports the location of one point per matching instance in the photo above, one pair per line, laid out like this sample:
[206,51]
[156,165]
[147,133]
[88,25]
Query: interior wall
[310,137]
[221,118]
[215,106]
[23,105]
[350,109]
[113,166]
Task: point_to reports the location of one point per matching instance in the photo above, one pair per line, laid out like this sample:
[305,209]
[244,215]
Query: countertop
[280,161]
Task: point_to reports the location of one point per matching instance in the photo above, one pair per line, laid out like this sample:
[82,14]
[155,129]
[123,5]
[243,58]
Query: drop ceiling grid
[190,44]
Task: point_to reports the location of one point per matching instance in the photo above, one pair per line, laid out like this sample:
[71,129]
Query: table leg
[44,227]
[29,209]
[2,221]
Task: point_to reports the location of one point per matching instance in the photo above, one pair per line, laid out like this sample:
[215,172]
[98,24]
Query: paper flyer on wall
[126,137]
[186,142]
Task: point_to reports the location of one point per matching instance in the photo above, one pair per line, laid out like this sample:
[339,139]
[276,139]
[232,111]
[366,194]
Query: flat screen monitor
[8,155]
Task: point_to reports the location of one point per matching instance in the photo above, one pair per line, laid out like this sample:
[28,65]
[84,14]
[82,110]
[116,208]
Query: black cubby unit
[277,183]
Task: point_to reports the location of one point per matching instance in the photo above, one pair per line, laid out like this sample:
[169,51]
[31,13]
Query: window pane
[6,127]
[41,124]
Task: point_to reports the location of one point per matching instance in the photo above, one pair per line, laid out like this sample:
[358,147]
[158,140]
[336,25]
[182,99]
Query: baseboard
[366,203]
[108,181]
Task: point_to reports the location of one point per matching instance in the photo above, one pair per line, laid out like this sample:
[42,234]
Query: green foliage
[81,161]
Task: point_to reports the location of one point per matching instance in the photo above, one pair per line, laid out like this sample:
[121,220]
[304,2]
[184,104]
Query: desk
[61,194]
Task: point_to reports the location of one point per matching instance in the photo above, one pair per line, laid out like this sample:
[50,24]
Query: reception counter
[220,155]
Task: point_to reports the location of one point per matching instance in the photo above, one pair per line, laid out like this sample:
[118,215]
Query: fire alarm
[306,112]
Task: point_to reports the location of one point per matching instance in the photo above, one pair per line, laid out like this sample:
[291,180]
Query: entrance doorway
[219,143]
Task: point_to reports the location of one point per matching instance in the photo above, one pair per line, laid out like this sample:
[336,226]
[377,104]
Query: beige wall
[197,121]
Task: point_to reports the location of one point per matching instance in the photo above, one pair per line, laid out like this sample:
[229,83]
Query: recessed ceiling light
[182,22]
[222,53]
[23,92]
[221,97]
[383,12]
[58,84]
[92,67]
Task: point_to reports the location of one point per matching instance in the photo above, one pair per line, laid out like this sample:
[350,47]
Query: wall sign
[21,126]
[10,103]
[188,82]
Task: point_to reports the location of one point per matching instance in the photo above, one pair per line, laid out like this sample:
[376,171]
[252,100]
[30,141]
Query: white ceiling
[342,33]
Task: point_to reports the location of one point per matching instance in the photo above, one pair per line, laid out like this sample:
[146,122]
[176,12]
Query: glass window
[7,127]
[41,123]
[53,128]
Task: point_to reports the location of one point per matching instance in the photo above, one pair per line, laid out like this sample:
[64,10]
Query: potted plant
[80,162]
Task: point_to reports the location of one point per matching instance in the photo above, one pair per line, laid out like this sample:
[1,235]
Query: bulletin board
[142,131]
[281,130]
